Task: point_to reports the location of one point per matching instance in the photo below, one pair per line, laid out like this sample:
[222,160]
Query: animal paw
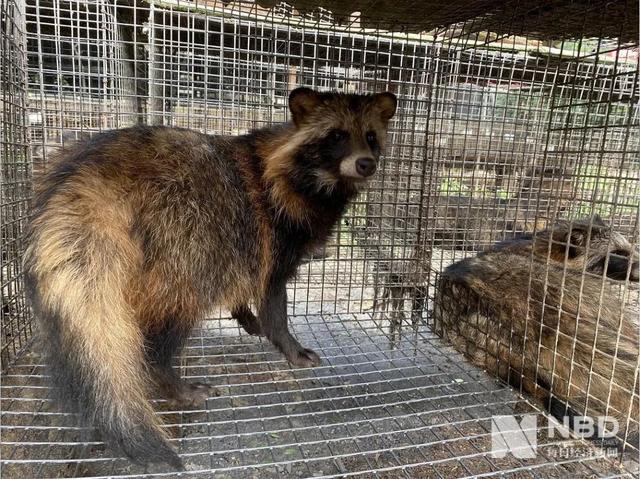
[190,394]
[305,358]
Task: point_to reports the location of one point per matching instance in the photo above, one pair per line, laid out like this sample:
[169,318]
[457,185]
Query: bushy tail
[76,278]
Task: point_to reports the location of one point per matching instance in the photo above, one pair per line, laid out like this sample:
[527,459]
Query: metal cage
[497,135]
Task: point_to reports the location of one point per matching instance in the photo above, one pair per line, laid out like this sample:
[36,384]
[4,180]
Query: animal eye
[371,137]
[620,252]
[339,135]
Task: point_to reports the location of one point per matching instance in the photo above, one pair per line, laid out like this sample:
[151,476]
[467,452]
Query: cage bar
[15,319]
[509,122]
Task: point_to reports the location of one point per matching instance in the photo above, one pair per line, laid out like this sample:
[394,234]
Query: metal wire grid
[184,66]
[79,78]
[376,408]
[488,108]
[510,145]
[15,321]
[557,141]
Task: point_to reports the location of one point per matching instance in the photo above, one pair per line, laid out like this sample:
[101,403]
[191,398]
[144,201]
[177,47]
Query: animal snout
[365,166]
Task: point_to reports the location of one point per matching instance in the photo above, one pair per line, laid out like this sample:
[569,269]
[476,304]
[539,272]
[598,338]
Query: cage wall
[184,66]
[524,143]
[496,136]
[15,321]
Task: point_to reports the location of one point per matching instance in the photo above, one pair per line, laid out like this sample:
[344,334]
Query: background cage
[510,118]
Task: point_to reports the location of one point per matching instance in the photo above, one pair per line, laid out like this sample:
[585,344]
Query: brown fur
[547,328]
[138,233]
[395,281]
[321,118]
[586,244]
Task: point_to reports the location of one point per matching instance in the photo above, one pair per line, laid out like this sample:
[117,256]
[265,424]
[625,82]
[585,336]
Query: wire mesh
[521,142]
[15,321]
[495,136]
[413,408]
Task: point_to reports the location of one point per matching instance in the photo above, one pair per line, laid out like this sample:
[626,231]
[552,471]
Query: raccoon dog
[136,234]
[525,311]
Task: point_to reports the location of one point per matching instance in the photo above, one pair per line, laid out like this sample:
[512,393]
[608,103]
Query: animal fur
[399,280]
[136,234]
[587,244]
[525,311]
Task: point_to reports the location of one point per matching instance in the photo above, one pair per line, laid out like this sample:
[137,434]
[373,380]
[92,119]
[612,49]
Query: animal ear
[572,241]
[577,240]
[302,101]
[386,104]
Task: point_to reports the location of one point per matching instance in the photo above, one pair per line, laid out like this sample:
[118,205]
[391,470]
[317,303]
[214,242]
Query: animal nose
[365,166]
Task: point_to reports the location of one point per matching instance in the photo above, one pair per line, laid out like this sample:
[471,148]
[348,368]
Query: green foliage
[605,191]
[453,187]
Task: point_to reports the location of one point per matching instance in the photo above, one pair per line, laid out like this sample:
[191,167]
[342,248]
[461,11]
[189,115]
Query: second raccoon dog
[587,243]
[138,233]
[547,327]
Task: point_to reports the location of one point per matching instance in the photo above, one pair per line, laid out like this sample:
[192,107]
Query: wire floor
[379,406]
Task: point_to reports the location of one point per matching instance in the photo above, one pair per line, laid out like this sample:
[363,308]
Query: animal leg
[273,320]
[247,320]
[162,346]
